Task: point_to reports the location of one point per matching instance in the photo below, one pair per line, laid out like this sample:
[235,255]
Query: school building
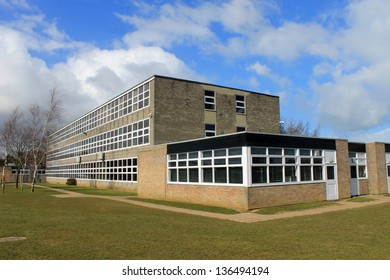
[180,140]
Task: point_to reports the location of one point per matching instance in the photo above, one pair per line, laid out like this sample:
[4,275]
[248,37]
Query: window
[209,130]
[240,104]
[278,165]
[241,128]
[358,160]
[221,166]
[113,170]
[209,100]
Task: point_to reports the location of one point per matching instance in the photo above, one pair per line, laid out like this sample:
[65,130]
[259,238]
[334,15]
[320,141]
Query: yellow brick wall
[285,194]
[222,196]
[343,170]
[376,168]
[152,172]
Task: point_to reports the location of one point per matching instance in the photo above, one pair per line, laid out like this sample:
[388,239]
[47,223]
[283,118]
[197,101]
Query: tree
[26,140]
[42,123]
[299,128]
[16,142]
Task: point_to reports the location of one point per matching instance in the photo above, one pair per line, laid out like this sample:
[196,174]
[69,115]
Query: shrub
[71,182]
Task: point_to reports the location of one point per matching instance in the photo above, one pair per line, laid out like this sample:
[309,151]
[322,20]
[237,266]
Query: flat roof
[242,139]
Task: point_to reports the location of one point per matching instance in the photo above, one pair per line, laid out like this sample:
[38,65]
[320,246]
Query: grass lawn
[93,228]
[294,207]
[93,191]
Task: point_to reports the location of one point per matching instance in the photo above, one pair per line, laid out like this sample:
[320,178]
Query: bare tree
[16,142]
[292,127]
[42,124]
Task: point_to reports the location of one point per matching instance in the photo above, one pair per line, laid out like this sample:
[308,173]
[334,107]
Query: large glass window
[279,165]
[221,166]
[112,170]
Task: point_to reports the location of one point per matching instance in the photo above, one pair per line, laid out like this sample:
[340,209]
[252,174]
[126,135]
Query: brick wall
[285,194]
[222,196]
[152,172]
[179,112]
[343,170]
[376,168]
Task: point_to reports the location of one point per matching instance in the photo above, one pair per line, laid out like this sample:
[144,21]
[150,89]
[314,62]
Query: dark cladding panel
[357,147]
[387,148]
[252,139]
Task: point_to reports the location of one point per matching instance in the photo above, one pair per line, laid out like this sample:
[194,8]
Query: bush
[71,182]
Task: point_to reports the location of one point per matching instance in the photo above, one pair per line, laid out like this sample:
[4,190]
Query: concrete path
[247,217]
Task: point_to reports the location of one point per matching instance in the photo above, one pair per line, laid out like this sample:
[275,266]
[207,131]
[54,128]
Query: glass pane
[193,163]
[362,171]
[275,174]
[193,155]
[234,160]
[304,152]
[259,160]
[173,175]
[274,151]
[290,174]
[206,162]
[305,160]
[305,173]
[353,172]
[317,173]
[289,152]
[258,151]
[235,175]
[235,152]
[388,171]
[220,153]
[317,160]
[330,172]
[219,161]
[275,160]
[220,175]
[182,175]
[206,154]
[194,175]
[290,160]
[207,175]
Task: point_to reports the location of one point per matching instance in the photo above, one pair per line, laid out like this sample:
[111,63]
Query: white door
[354,182]
[332,192]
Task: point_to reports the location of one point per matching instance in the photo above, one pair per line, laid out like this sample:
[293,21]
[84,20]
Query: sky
[328,61]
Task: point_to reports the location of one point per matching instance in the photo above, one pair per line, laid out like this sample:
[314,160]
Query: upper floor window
[210,130]
[209,100]
[240,104]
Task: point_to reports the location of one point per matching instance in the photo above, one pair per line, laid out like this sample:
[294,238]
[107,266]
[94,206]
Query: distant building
[182,140]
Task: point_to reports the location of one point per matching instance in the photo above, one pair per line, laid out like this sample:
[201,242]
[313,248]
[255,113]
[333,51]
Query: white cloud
[355,96]
[87,78]
[264,71]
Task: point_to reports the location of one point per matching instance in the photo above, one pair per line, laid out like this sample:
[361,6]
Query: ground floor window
[358,163]
[112,170]
[221,166]
[282,165]
[250,166]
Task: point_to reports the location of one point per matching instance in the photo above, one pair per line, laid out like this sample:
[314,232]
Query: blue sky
[326,60]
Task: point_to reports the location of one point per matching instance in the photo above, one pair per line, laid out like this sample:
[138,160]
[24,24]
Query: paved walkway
[247,217]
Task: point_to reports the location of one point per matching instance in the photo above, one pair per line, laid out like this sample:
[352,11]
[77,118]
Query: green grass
[294,207]
[360,199]
[86,190]
[191,206]
[94,229]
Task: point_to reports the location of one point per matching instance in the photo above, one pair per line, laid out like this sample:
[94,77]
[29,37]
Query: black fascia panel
[356,147]
[387,148]
[252,139]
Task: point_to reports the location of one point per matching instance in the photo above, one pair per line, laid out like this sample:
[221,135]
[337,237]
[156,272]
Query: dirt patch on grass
[12,239]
